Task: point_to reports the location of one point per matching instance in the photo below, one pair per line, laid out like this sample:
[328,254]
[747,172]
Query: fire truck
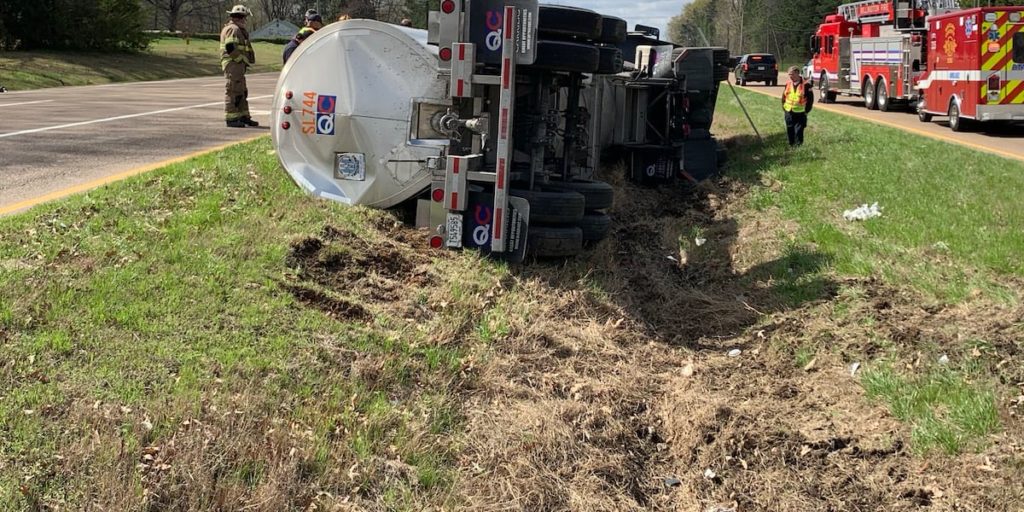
[490,123]
[928,54]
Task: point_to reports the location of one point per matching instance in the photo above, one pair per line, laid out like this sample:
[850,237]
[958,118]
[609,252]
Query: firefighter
[314,20]
[289,48]
[236,55]
[797,102]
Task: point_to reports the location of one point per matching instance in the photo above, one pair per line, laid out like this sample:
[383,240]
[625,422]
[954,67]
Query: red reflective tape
[497,222]
[503,125]
[455,165]
[499,182]
[455,200]
[506,66]
[509,14]
[462,52]
[458,87]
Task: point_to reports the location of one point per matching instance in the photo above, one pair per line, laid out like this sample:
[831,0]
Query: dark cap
[312,15]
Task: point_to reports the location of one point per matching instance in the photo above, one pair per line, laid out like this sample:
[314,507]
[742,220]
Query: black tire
[597,195]
[553,207]
[562,21]
[609,60]
[867,91]
[956,123]
[882,96]
[595,226]
[923,116]
[613,30]
[825,95]
[566,56]
[554,242]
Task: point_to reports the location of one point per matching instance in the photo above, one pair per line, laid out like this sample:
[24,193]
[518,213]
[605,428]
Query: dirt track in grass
[607,383]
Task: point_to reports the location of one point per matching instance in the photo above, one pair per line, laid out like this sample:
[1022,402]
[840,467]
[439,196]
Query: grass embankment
[206,337]
[166,58]
[949,235]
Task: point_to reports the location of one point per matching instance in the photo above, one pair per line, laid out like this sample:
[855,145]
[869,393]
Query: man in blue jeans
[797,102]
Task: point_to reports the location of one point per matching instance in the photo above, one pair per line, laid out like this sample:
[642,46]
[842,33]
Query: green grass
[166,58]
[948,410]
[950,214]
[162,299]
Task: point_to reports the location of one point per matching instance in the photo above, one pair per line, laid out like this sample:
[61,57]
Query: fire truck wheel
[609,60]
[554,242]
[613,30]
[595,226]
[882,96]
[956,123]
[826,95]
[553,207]
[922,115]
[868,92]
[562,21]
[566,56]
[598,195]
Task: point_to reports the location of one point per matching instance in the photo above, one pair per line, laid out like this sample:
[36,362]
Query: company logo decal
[318,113]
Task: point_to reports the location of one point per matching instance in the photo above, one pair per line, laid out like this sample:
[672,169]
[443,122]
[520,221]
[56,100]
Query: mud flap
[476,227]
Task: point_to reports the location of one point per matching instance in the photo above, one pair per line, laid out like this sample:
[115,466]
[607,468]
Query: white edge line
[118,118]
[23,103]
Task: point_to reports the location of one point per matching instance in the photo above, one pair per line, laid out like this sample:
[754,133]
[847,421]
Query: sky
[654,13]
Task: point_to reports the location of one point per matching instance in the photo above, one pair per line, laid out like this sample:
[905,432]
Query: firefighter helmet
[240,10]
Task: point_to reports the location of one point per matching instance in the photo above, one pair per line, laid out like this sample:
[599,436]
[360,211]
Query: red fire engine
[943,60]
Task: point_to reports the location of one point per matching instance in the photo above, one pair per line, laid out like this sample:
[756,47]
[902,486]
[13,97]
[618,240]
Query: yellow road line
[944,138]
[28,203]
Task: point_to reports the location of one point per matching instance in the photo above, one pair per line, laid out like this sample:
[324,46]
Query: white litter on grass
[699,241]
[735,352]
[944,359]
[863,212]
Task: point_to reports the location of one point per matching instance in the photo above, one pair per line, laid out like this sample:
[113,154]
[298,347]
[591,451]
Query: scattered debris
[700,241]
[709,474]
[671,481]
[863,212]
[735,352]
[944,359]
[853,369]
[688,370]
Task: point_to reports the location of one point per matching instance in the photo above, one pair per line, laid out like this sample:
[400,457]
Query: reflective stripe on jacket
[795,98]
[242,52]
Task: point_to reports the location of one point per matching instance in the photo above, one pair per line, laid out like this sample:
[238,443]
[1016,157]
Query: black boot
[249,122]
[236,123]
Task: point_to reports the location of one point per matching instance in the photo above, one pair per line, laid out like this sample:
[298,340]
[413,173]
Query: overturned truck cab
[494,120]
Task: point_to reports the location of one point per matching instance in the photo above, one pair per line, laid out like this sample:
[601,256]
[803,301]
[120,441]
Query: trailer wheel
[564,21]
[553,207]
[826,95]
[566,56]
[882,96]
[597,195]
[595,226]
[609,60]
[868,92]
[923,115]
[554,242]
[613,30]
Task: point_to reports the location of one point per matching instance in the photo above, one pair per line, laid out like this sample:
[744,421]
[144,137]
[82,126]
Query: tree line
[781,27]
[106,25]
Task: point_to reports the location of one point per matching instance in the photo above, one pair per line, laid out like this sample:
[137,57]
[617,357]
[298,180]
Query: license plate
[454,230]
[761,68]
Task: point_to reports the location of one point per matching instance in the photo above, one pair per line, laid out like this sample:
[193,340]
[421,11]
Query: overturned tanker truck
[495,119]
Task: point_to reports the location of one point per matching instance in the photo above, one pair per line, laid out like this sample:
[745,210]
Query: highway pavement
[58,141]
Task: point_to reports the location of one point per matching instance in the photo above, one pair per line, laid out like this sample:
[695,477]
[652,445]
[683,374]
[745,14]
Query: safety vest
[796,100]
[243,48]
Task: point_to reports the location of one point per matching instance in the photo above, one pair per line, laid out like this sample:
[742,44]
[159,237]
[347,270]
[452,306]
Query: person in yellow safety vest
[236,55]
[797,102]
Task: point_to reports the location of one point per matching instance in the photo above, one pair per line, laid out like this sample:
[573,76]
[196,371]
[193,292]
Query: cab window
[1018,47]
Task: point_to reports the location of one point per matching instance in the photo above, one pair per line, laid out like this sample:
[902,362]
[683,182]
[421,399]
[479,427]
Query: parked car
[808,71]
[757,67]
